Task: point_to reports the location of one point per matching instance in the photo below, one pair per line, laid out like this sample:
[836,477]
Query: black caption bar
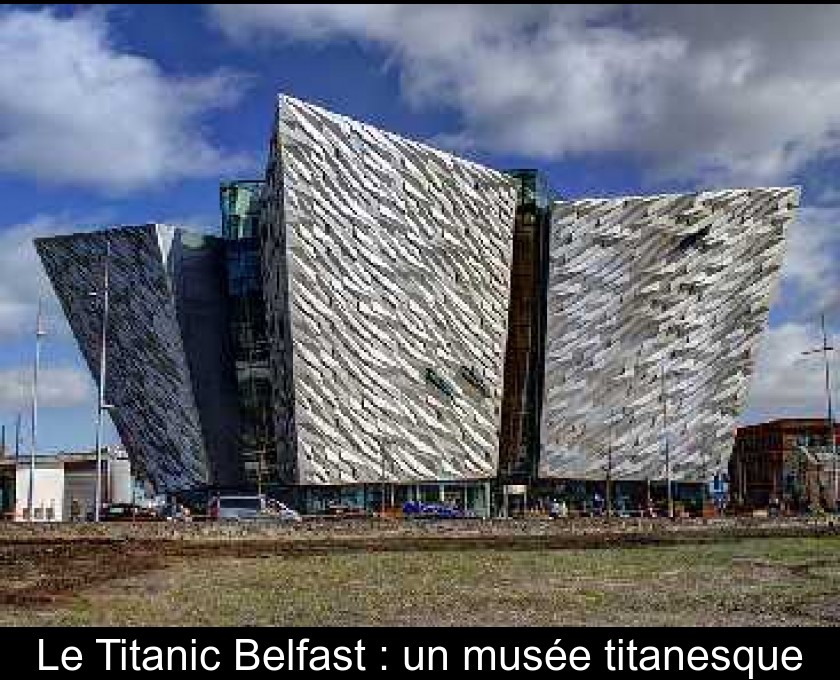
[746,653]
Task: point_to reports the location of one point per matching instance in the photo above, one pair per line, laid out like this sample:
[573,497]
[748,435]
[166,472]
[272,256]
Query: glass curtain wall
[524,354]
[240,204]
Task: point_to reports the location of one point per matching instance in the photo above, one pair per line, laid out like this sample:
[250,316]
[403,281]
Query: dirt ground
[593,577]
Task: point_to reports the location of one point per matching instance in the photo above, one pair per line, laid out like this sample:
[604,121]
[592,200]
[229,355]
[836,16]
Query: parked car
[124,512]
[339,510]
[281,511]
[176,513]
[419,509]
[238,508]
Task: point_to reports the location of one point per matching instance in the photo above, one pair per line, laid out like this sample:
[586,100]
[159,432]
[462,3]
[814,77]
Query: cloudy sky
[134,114]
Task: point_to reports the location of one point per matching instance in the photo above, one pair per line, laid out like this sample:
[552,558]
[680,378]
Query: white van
[233,507]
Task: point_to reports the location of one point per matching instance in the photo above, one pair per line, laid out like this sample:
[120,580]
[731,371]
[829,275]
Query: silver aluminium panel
[390,261]
[162,298]
[655,305]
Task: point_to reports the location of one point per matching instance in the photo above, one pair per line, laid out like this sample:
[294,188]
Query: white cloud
[788,383]
[718,93]
[810,277]
[785,382]
[76,109]
[23,280]
[57,388]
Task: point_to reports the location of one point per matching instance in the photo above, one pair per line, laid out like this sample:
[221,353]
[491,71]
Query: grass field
[779,581]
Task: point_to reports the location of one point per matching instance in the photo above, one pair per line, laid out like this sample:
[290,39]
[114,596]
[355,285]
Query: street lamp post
[17,438]
[667,447]
[382,491]
[825,349]
[257,438]
[609,466]
[100,406]
[385,455]
[39,333]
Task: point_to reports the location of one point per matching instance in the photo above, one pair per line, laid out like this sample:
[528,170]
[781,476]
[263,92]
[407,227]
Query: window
[692,240]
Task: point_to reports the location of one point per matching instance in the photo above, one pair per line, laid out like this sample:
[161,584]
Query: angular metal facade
[168,355]
[654,307]
[381,311]
[387,279]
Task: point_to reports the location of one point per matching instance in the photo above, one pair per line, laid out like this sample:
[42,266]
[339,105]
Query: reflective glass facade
[524,354]
[240,204]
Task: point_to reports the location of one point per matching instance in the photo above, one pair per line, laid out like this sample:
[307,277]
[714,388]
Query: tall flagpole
[100,406]
[824,350]
[39,333]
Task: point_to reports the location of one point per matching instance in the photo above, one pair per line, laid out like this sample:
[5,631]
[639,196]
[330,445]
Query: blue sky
[134,114]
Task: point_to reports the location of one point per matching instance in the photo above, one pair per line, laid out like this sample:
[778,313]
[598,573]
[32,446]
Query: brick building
[790,459]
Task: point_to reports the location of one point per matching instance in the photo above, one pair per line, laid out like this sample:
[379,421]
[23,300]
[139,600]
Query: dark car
[125,512]
[338,510]
[437,510]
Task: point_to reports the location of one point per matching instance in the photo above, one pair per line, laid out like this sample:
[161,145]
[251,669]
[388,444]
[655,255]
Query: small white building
[64,486]
[47,491]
